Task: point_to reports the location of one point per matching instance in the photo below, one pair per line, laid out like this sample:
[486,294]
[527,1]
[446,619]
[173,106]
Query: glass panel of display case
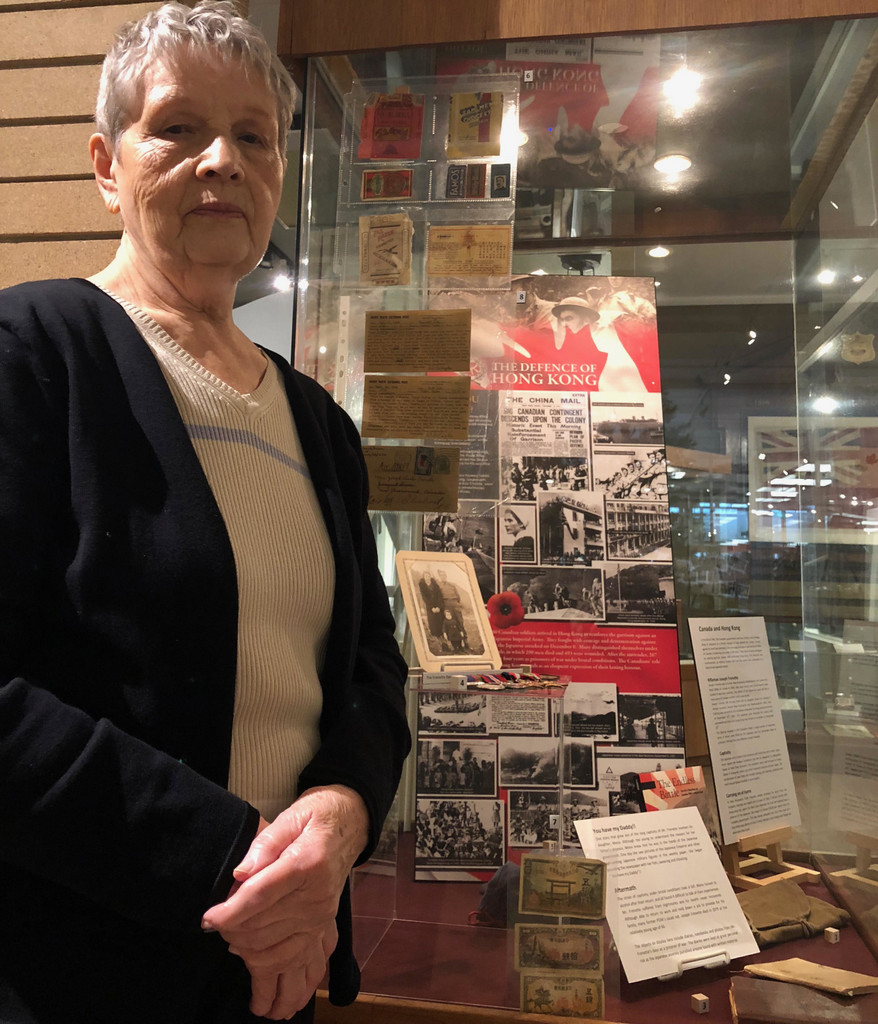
[831,494]
[757,232]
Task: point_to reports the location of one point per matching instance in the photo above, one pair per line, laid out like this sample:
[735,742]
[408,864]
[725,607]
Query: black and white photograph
[525,476]
[534,816]
[383,860]
[461,767]
[445,611]
[528,761]
[580,805]
[623,420]
[591,711]
[517,524]
[466,834]
[639,594]
[650,720]
[627,798]
[558,594]
[470,532]
[638,529]
[630,473]
[452,713]
[571,528]
[579,766]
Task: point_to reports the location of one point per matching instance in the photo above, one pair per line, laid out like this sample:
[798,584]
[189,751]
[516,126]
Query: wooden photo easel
[865,871]
[743,862]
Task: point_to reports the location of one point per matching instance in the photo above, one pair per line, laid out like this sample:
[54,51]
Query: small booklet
[681,787]
[763,1001]
[804,972]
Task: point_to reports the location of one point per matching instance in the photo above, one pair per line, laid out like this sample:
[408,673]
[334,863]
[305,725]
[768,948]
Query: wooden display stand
[742,862]
[865,872]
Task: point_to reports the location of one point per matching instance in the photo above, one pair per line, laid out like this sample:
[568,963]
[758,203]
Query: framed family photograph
[446,612]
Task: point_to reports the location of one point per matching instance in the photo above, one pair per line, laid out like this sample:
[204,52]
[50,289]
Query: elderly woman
[201,698]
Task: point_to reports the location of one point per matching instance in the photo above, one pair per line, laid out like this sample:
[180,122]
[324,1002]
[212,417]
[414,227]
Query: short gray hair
[210,28]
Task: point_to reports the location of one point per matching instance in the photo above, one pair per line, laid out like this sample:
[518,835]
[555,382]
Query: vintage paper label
[386,249]
[455,181]
[466,250]
[425,407]
[391,126]
[417,340]
[562,994]
[475,181]
[567,886]
[475,123]
[572,947]
[412,478]
[501,181]
[386,185]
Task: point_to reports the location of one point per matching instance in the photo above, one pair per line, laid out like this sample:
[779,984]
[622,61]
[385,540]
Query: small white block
[700,1002]
[831,934]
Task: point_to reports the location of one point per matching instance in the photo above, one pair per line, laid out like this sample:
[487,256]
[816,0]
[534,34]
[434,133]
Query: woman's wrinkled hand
[280,916]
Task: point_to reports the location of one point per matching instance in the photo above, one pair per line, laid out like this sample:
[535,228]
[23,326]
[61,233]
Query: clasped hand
[280,916]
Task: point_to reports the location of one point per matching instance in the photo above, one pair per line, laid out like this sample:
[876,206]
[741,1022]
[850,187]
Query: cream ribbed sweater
[251,455]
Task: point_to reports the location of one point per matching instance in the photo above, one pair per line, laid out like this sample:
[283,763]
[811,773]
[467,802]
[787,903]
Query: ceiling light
[826,276]
[858,278]
[282,282]
[681,89]
[825,404]
[672,163]
[833,204]
[658,252]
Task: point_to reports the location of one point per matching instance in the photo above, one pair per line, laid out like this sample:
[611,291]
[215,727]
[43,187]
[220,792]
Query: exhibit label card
[412,479]
[466,250]
[417,340]
[669,903]
[416,407]
[742,716]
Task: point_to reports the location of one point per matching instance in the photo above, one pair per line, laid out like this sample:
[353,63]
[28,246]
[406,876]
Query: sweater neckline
[258,398]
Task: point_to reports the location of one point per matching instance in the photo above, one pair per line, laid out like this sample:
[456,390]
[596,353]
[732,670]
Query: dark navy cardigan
[118,627]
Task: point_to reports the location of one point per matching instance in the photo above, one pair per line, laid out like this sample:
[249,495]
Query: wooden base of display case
[387,1010]
[865,872]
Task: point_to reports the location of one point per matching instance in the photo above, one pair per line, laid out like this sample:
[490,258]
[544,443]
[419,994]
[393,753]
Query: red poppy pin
[505,610]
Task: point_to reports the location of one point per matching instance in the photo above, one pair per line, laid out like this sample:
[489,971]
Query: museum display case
[715,187]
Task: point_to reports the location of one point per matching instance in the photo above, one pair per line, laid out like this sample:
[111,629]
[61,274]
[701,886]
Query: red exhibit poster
[587,115]
[564,496]
[564,515]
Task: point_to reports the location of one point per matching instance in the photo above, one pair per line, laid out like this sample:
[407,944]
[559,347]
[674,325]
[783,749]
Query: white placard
[853,804]
[669,903]
[742,716]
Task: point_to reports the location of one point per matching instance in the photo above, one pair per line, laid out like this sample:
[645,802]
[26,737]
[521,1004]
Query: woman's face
[198,173]
[513,526]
